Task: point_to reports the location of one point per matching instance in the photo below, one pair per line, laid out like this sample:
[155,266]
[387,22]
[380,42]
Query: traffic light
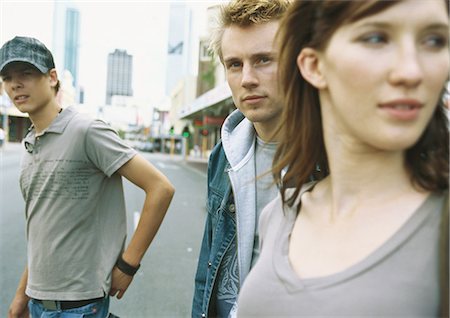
[171,130]
[204,132]
[186,132]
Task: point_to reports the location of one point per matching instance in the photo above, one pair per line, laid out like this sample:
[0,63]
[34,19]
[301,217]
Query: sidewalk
[11,147]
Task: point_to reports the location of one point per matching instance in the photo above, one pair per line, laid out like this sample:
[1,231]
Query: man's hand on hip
[119,283]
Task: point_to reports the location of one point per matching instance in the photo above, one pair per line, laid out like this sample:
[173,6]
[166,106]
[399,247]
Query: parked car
[146,146]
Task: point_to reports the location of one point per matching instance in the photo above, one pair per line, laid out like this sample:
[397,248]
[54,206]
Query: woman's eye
[436,41]
[374,38]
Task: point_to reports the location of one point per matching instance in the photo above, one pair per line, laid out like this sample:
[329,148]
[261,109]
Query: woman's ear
[309,65]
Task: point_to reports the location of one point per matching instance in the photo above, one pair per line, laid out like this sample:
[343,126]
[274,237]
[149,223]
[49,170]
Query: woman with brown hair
[363,83]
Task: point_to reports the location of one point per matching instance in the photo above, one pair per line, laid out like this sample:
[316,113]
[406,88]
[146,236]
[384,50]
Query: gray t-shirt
[400,278]
[266,189]
[74,207]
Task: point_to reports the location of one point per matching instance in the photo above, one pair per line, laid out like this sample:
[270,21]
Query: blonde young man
[245,45]
[71,180]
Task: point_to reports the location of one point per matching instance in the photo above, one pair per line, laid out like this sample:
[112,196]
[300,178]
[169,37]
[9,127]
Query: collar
[57,126]
[60,122]
[238,139]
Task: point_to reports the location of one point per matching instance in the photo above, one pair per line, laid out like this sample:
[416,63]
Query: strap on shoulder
[444,255]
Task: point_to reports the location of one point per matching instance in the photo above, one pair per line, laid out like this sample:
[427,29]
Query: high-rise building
[179,42]
[119,77]
[71,43]
[66,38]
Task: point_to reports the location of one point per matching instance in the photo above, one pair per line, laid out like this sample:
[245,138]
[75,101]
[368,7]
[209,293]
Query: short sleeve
[105,149]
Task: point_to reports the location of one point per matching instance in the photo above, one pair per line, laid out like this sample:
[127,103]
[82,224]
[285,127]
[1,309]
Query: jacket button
[209,264]
[232,208]
[203,315]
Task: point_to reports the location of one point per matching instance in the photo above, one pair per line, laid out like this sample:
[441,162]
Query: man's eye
[234,65]
[263,60]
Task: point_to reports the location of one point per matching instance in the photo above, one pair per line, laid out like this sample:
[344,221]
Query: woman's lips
[402,109]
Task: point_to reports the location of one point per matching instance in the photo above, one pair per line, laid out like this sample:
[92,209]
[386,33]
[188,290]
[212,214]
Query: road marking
[136,217]
[196,171]
[161,165]
[167,166]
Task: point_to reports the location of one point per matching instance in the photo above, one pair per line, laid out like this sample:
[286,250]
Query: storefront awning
[210,98]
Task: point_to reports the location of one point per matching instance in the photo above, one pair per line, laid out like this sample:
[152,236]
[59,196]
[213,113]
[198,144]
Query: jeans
[98,309]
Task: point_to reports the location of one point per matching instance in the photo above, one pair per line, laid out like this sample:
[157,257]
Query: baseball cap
[26,49]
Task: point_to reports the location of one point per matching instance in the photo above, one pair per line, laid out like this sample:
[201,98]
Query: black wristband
[125,267]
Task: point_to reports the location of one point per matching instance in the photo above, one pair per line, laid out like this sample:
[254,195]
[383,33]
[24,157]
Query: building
[119,75]
[72,43]
[214,102]
[66,40]
[179,44]
[12,121]
[190,72]
[180,83]
[180,78]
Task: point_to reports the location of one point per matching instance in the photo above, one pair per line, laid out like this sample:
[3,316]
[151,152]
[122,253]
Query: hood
[238,138]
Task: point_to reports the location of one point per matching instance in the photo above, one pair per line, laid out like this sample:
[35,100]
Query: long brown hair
[301,154]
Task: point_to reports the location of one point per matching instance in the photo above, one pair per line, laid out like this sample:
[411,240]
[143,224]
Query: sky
[140,27]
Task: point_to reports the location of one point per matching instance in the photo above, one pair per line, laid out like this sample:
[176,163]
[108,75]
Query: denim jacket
[231,209]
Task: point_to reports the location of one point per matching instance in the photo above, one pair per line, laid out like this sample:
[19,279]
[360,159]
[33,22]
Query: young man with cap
[238,186]
[74,203]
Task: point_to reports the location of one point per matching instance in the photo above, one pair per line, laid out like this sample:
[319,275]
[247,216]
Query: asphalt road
[163,287]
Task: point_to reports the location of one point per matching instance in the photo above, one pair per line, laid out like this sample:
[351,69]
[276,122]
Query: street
[163,287]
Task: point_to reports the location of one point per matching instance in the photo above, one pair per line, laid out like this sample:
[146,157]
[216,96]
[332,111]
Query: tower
[119,74]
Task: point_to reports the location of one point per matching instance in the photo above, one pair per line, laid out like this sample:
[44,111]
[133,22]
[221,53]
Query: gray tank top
[400,278]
